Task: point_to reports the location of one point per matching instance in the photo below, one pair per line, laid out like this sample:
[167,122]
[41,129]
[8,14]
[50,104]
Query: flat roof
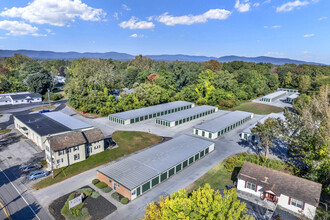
[274,94]
[42,124]
[137,169]
[293,96]
[68,121]
[186,113]
[222,122]
[262,120]
[149,110]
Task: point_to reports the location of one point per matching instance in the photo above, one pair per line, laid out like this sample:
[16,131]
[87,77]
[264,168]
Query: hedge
[101,185]
[124,201]
[94,181]
[115,195]
[107,189]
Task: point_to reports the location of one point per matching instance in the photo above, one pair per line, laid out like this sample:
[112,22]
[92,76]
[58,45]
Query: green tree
[266,132]
[39,82]
[304,83]
[203,203]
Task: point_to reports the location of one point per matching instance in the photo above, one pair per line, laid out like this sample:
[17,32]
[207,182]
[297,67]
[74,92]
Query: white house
[294,194]
[19,98]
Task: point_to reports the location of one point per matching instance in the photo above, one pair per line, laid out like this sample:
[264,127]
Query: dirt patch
[46,107]
[79,112]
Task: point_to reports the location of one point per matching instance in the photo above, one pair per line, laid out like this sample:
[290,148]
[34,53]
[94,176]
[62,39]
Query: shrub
[115,195]
[124,201]
[107,189]
[55,96]
[101,185]
[86,191]
[95,195]
[94,181]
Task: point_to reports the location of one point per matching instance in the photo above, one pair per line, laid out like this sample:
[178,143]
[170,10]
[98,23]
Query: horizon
[289,29]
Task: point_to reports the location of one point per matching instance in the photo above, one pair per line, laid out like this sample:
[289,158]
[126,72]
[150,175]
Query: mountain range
[51,55]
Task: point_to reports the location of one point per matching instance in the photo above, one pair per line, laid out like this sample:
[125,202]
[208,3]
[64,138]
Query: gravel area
[98,208]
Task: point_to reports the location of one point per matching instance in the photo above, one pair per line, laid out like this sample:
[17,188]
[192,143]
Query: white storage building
[273,96]
[141,114]
[221,125]
[181,117]
[291,98]
[288,90]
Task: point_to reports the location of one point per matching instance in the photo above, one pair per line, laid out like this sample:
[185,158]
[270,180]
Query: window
[251,186]
[97,147]
[76,157]
[61,152]
[75,148]
[296,203]
[60,161]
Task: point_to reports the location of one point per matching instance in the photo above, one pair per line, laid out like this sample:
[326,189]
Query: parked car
[44,111]
[30,167]
[37,174]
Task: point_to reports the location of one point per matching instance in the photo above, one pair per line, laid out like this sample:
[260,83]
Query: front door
[114,186]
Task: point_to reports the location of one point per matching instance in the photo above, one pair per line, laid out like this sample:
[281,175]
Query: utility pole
[48,96]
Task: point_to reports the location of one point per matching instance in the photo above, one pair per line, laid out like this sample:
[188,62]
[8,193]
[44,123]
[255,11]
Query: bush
[95,195]
[124,201]
[94,181]
[107,189]
[101,185]
[115,195]
[86,191]
[55,96]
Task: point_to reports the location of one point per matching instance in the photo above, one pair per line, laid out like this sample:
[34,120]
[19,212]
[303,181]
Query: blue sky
[298,29]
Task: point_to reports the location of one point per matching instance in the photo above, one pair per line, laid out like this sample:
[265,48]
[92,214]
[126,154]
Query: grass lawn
[257,108]
[3,131]
[45,107]
[128,142]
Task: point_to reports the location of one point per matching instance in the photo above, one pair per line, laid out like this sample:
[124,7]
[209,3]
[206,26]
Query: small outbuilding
[223,124]
[141,114]
[273,96]
[19,98]
[293,194]
[134,175]
[184,116]
[292,97]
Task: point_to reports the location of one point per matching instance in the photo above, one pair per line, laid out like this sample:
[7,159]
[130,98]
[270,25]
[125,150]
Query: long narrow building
[273,96]
[182,117]
[141,114]
[136,174]
[223,124]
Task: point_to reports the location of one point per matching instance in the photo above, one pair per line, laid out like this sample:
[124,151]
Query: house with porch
[272,188]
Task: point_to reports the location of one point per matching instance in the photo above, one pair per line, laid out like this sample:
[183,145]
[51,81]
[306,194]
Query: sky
[297,29]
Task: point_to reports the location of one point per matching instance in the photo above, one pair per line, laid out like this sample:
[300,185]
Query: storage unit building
[221,125]
[136,174]
[273,96]
[181,117]
[291,98]
[249,136]
[288,90]
[38,126]
[141,114]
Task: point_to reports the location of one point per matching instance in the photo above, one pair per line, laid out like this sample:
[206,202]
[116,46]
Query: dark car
[44,111]
[37,174]
[30,168]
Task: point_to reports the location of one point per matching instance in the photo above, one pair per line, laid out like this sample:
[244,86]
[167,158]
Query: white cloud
[322,18]
[257,4]
[274,54]
[273,27]
[242,7]
[2,38]
[267,1]
[137,35]
[306,52]
[116,15]
[17,28]
[289,6]
[125,7]
[216,14]
[55,12]
[134,23]
[309,35]
[48,30]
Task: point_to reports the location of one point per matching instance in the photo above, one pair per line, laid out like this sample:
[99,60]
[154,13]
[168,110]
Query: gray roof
[68,121]
[262,120]
[137,169]
[25,96]
[186,113]
[5,99]
[293,96]
[274,94]
[222,122]
[150,110]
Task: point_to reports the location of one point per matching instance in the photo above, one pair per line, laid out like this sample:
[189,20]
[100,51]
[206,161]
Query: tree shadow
[252,147]
[26,213]
[280,150]
[235,173]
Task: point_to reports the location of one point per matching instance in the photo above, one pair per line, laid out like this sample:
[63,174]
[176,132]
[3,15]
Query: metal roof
[150,110]
[68,121]
[25,96]
[222,122]
[137,169]
[293,96]
[262,120]
[42,124]
[274,94]
[186,113]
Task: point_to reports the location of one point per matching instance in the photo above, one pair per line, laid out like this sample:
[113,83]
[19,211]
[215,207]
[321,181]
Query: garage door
[145,187]
[163,177]
[171,172]
[155,181]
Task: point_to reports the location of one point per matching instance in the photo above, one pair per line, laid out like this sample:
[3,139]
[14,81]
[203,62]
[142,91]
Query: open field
[257,108]
[128,142]
[46,107]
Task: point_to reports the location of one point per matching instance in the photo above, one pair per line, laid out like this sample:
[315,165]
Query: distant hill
[50,55]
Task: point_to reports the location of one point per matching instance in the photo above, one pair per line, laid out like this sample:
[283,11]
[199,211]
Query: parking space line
[20,194]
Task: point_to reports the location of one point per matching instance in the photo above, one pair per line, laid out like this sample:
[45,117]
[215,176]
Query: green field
[257,108]
[127,141]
